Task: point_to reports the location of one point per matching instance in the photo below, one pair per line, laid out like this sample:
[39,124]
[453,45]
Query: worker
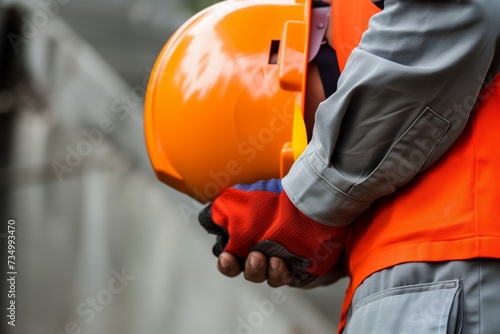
[398,178]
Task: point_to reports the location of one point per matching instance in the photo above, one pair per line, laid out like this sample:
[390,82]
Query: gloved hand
[261,217]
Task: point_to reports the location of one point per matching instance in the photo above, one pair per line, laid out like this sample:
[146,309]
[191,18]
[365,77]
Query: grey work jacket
[403,98]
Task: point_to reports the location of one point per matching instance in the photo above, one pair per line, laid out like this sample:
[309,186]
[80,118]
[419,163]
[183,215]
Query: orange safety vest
[450,211]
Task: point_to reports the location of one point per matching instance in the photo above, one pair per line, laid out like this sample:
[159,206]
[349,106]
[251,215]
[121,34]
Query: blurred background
[101,245]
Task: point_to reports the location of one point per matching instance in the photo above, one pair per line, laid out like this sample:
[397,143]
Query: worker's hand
[257,268]
[260,217]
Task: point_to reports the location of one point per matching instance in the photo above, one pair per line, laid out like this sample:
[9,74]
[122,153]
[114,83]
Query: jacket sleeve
[403,98]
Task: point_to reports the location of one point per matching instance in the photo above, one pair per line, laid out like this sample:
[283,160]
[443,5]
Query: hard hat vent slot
[273,53]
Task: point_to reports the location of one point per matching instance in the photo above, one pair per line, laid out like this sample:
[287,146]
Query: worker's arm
[403,98]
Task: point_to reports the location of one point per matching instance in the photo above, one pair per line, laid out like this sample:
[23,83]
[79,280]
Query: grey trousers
[441,297]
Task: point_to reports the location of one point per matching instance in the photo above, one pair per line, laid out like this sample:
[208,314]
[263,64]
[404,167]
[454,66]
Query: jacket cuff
[319,199]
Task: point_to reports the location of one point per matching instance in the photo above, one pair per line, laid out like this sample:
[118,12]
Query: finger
[278,273]
[228,265]
[256,267]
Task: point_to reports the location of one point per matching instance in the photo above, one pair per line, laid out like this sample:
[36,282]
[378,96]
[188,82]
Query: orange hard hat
[225,98]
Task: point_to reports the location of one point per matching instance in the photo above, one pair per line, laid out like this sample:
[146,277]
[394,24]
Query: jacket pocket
[407,157]
[432,308]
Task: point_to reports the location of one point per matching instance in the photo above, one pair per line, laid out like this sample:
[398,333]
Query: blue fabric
[273,185]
